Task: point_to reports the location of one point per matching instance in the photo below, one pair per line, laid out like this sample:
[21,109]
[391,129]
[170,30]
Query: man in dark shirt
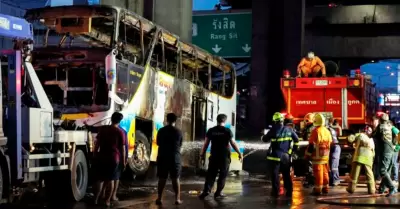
[169,141]
[221,139]
[109,152]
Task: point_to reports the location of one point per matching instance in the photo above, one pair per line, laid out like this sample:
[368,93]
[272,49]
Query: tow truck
[30,148]
[352,100]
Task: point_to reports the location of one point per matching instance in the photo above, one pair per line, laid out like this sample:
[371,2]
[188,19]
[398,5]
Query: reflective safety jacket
[283,140]
[365,150]
[319,145]
[384,138]
[307,132]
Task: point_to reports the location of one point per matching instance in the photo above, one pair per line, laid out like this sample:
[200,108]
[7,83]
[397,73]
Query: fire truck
[352,100]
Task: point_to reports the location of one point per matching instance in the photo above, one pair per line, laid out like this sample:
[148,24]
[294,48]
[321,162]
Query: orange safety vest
[321,140]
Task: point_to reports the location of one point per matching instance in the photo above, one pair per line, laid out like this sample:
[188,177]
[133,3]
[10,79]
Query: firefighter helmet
[385,117]
[319,120]
[309,118]
[277,117]
[289,116]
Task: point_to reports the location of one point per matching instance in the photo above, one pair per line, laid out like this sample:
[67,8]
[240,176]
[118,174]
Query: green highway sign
[223,34]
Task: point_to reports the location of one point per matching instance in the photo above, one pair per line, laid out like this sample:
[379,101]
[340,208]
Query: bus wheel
[140,160]
[79,176]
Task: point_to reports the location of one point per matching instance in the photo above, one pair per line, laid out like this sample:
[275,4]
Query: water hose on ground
[331,201]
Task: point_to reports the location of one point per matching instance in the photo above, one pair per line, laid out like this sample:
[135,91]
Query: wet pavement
[250,192]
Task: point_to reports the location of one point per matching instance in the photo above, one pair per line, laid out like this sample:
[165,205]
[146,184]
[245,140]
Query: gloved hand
[295,156]
[397,148]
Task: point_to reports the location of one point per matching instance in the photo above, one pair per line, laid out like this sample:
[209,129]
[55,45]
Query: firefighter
[395,168]
[363,157]
[308,119]
[385,143]
[311,65]
[288,120]
[283,141]
[318,149]
[334,158]
[335,125]
[375,167]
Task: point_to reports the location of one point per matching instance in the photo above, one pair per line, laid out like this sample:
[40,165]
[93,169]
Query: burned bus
[95,60]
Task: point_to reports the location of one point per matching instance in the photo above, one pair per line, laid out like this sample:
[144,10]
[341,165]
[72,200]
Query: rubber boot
[350,188]
[371,188]
[391,192]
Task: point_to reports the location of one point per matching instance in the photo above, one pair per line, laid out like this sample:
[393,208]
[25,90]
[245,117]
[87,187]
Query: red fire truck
[351,100]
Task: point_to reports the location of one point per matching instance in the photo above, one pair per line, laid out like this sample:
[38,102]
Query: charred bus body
[88,62]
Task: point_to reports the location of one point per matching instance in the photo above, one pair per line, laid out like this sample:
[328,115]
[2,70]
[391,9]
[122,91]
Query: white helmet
[311,55]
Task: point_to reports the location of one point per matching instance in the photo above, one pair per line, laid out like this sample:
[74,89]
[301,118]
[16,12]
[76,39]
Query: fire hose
[341,201]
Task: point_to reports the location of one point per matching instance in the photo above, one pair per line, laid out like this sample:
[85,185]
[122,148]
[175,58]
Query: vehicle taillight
[354,83]
[287,83]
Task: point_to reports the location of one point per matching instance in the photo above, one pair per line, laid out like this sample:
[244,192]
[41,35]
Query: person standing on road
[221,139]
[283,142]
[375,167]
[384,136]
[318,149]
[333,123]
[288,121]
[309,180]
[169,141]
[395,169]
[108,155]
[334,158]
[363,157]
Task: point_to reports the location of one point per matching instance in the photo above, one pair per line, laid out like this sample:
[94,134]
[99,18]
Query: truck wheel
[140,160]
[79,176]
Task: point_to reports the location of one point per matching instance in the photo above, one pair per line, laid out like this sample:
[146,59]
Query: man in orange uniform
[311,65]
[308,119]
[319,150]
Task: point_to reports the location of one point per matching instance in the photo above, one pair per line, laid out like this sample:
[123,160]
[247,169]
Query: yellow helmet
[277,117]
[319,120]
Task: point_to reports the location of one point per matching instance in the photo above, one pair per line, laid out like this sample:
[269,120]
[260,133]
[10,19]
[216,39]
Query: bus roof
[132,19]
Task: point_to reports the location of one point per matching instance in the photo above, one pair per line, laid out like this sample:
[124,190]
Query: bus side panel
[172,96]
